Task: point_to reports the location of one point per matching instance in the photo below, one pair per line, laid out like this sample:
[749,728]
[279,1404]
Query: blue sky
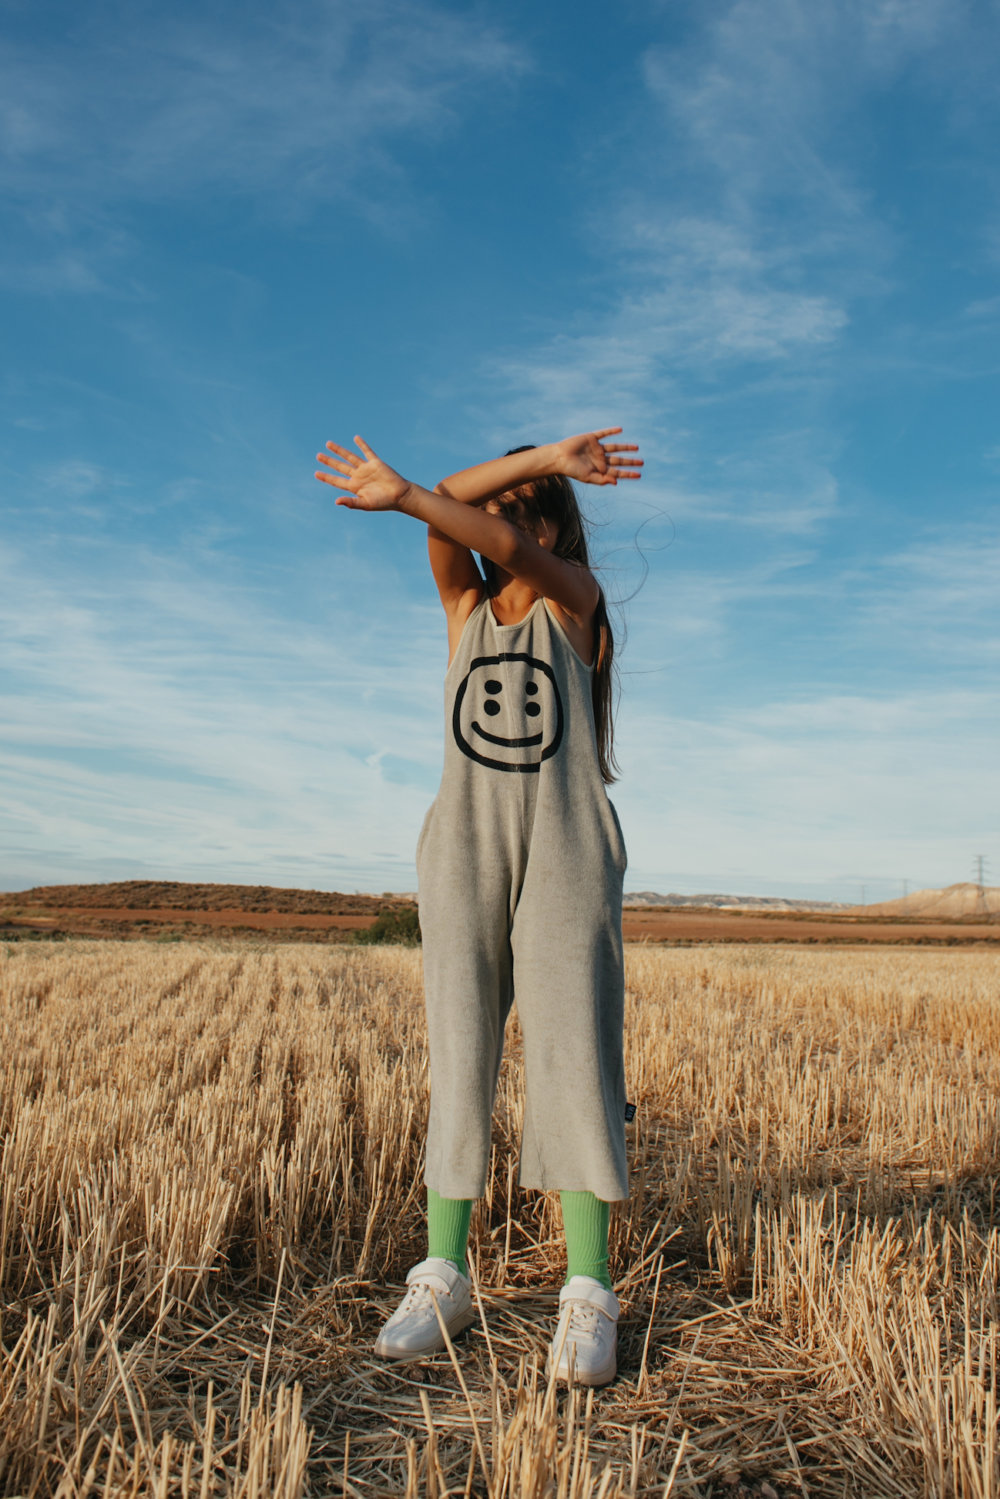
[764,236]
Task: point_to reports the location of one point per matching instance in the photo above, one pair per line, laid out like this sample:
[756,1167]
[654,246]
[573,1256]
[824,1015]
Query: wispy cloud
[767,87]
[749,250]
[76,478]
[290,111]
[859,745]
[175,719]
[289,102]
[183,722]
[200,672]
[939,598]
[743,244]
[810,795]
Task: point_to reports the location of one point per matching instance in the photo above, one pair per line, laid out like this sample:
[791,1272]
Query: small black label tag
[629,1112]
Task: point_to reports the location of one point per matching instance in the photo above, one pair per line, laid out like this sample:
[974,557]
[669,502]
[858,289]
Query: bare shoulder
[458,614]
[579,630]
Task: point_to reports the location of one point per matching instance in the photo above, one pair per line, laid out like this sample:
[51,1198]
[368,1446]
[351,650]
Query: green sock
[448,1228]
[586,1220]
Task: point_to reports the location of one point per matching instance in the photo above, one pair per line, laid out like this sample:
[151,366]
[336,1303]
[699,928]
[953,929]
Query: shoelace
[583,1320]
[418,1297]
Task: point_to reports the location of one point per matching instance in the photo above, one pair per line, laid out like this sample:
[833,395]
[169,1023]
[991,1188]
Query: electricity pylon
[981,863]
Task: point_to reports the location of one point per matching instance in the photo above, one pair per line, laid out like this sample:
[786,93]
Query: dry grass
[211,1192]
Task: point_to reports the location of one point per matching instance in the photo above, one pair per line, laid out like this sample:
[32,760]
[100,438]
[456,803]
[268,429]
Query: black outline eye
[532,709]
[492,707]
[492,686]
[531,688]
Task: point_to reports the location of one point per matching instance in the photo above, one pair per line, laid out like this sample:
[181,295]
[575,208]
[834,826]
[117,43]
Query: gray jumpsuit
[520,864]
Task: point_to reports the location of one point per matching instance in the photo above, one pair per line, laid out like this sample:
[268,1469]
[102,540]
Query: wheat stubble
[211,1190]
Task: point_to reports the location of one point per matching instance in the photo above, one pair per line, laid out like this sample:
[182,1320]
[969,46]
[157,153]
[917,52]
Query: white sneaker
[585,1346]
[413,1330]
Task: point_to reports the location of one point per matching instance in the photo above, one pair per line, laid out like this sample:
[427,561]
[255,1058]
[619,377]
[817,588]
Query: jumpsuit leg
[468,988]
[569,983]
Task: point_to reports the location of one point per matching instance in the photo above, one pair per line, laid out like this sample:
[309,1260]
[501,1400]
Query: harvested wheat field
[211,1191]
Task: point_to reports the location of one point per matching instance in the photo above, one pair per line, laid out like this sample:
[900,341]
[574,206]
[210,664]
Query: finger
[628,462]
[620,447]
[346,453]
[368,452]
[329,479]
[606,432]
[337,467]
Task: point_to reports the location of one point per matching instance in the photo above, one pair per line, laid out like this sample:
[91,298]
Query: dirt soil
[172,910]
[687,925]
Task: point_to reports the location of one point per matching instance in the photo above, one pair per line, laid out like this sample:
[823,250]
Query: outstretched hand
[371,484]
[592,460]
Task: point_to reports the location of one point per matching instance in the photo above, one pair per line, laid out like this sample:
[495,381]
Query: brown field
[168,909]
[210,1193]
[171,909]
[687,925]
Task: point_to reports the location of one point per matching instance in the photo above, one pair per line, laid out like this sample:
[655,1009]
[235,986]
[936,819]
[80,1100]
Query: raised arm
[373,485]
[587,457]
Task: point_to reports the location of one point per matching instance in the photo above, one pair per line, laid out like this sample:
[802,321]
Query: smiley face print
[508,712]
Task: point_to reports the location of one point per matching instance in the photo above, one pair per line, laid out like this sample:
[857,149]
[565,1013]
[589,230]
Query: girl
[520,864]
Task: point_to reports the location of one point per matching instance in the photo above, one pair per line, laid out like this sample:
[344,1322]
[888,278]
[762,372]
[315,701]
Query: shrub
[399,927]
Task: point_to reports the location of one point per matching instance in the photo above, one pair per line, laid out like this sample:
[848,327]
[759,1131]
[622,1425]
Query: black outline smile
[531,741]
[507,743]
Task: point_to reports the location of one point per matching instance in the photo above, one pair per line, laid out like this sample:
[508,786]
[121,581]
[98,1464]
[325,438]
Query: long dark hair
[553,498]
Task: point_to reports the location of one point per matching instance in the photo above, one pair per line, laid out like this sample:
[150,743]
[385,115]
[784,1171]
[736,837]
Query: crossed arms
[459,526]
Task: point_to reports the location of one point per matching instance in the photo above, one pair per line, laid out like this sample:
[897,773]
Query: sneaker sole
[596,1379]
[399,1355]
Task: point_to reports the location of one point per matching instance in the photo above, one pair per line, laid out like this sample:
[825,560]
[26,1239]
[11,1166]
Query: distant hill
[137,895]
[171,911]
[638,899]
[140,895]
[965,899]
